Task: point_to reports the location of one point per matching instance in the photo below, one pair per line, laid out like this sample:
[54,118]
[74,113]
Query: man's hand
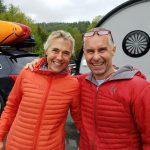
[1,145]
[32,64]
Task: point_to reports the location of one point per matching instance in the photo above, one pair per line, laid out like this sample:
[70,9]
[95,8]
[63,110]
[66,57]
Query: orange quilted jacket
[37,108]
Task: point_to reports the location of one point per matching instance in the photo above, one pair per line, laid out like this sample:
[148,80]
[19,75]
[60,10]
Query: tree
[43,34]
[78,39]
[14,14]
[2,7]
[94,22]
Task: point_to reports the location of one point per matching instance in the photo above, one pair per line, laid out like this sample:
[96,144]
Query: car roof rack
[14,53]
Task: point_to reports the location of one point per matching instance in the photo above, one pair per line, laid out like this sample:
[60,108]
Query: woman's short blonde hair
[59,34]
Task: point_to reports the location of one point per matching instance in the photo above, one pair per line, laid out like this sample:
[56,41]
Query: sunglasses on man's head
[100,32]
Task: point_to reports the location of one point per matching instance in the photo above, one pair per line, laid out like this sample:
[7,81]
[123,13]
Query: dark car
[11,62]
[72,68]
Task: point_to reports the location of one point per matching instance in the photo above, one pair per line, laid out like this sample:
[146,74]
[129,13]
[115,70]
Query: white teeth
[57,63]
[97,64]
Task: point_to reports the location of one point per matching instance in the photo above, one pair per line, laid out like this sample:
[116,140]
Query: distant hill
[49,27]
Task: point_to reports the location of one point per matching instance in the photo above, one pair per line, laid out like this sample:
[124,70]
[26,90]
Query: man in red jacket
[115,103]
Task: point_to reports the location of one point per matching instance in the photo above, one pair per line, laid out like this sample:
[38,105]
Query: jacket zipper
[95,127]
[40,117]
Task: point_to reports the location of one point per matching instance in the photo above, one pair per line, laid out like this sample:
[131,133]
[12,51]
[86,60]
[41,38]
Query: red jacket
[116,114]
[37,109]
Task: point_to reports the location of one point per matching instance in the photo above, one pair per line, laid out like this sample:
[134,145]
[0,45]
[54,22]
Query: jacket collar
[125,72]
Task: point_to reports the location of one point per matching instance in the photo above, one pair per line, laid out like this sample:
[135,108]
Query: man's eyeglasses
[100,32]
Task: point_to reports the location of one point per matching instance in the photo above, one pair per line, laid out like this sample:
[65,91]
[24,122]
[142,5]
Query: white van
[130,26]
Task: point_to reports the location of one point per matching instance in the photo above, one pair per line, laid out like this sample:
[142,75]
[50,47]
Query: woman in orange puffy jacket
[38,104]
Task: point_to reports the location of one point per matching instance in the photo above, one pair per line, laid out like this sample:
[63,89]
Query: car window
[20,62]
[5,68]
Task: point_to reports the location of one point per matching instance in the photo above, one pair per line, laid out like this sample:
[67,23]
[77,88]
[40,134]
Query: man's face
[59,55]
[98,54]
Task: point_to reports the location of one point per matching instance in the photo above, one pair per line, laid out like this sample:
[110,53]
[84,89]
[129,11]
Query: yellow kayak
[9,32]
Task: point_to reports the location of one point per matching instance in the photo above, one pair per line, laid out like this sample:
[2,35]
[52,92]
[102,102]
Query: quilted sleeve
[75,109]
[11,107]
[142,116]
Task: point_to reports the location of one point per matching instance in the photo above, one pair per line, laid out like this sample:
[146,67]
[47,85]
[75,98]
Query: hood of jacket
[125,72]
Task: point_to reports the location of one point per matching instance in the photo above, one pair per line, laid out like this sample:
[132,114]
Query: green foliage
[2,7]
[49,27]
[42,30]
[94,22]
[78,39]
[15,15]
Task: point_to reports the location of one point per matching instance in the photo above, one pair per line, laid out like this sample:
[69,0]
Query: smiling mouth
[57,63]
[98,65]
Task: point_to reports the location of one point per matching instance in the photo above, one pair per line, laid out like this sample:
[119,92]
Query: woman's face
[59,55]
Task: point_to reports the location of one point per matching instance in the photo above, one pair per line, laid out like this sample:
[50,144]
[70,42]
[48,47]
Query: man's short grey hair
[59,34]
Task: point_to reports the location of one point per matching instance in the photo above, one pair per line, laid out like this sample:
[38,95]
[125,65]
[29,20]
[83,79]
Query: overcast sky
[64,10]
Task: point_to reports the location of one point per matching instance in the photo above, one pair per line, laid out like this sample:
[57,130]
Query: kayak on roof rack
[12,33]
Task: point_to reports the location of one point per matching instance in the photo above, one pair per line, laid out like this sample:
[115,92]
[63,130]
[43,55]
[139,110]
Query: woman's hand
[31,65]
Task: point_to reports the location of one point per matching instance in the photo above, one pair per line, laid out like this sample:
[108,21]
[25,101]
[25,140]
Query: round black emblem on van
[136,43]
